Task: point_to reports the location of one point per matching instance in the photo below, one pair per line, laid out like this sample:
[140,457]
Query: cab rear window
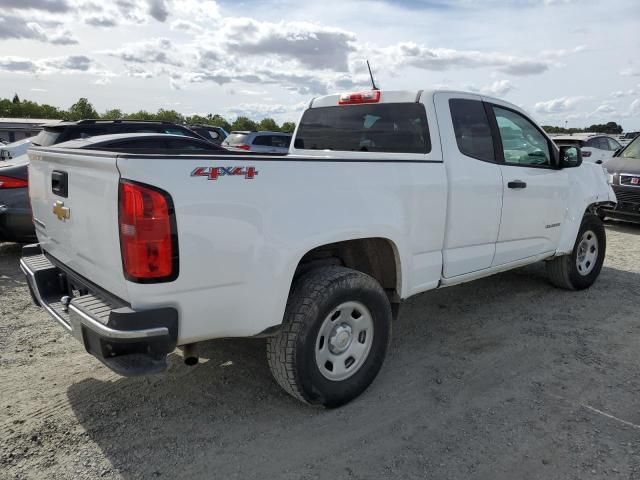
[383,127]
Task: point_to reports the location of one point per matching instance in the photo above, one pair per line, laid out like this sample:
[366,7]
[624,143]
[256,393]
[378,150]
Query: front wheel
[334,337]
[581,268]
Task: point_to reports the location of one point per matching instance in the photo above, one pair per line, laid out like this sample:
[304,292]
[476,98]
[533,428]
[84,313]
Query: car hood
[623,165]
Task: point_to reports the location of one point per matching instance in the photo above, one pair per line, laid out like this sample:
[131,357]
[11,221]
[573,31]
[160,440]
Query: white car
[385,194]
[258,142]
[15,149]
[595,148]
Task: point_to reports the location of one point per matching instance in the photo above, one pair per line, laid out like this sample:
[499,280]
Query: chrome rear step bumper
[127,341]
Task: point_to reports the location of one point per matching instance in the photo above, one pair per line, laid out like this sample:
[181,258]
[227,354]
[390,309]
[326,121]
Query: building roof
[28,121]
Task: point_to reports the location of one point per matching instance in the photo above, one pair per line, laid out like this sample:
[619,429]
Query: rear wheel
[580,269]
[334,338]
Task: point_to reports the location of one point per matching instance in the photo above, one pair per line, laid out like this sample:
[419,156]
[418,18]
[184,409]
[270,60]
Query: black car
[210,133]
[55,133]
[624,177]
[15,212]
[145,143]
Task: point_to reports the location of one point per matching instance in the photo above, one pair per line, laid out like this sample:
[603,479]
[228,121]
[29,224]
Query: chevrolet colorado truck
[384,195]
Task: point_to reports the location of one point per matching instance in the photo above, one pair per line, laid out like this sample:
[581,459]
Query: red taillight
[586,153]
[241,146]
[10,182]
[359,97]
[148,237]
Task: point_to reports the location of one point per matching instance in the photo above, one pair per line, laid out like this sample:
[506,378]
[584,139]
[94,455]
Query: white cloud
[19,28]
[410,53]
[630,72]
[634,108]
[263,110]
[558,105]
[53,6]
[158,9]
[155,51]
[499,88]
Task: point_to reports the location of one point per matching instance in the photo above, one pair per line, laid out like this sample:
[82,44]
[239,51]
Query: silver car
[259,142]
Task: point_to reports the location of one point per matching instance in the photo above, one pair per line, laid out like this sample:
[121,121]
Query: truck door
[535,192]
[474,179]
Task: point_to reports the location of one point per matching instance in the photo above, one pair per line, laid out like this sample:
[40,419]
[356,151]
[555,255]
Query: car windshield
[235,139]
[47,137]
[633,150]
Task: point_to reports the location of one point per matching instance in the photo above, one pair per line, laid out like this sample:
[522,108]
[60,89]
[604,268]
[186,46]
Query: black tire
[292,352]
[563,271]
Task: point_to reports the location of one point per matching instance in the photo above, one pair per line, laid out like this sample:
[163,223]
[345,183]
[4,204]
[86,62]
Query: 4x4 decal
[212,173]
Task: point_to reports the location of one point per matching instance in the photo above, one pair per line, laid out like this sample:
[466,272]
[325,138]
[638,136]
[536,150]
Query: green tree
[16,98]
[169,116]
[113,114]
[82,109]
[219,121]
[288,127]
[244,123]
[140,115]
[268,124]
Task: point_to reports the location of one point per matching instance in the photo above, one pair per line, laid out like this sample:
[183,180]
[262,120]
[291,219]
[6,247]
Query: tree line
[17,108]
[611,128]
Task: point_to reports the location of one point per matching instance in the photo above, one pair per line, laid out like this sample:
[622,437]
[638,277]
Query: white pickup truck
[384,194]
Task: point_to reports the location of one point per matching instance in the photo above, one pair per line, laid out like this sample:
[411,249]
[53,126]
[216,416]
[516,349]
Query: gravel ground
[503,378]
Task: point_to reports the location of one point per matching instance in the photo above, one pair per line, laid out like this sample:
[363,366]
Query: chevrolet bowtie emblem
[60,211]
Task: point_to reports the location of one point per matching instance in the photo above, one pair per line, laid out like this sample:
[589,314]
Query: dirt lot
[506,377]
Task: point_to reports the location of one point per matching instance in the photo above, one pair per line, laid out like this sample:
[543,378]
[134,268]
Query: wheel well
[374,256]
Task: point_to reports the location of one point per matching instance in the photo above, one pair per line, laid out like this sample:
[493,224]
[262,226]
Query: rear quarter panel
[240,240]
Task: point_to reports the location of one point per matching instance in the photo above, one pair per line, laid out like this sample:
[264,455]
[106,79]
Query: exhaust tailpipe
[190,354]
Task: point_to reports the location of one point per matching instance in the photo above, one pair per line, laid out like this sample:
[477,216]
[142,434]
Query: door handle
[517,184]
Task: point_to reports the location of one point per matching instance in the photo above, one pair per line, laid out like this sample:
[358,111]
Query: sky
[566,62]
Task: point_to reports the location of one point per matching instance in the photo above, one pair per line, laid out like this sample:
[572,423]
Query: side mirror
[298,143]
[570,156]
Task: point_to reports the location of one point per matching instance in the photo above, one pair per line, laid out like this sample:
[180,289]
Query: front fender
[588,187]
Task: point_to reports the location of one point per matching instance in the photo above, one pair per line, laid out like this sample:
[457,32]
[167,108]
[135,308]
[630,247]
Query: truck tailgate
[74,198]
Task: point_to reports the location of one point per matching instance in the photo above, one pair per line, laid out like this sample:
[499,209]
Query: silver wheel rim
[587,253]
[344,341]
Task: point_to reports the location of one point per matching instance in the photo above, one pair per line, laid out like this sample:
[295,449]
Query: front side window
[472,130]
[381,127]
[632,150]
[522,143]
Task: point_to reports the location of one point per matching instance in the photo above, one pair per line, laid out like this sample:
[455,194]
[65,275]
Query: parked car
[260,142]
[16,224]
[595,149]
[624,177]
[145,143]
[210,132]
[384,195]
[52,134]
[15,213]
[627,138]
[15,149]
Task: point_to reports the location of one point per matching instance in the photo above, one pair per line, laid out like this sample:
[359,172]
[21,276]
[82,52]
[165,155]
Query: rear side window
[613,145]
[263,140]
[383,127]
[191,145]
[280,141]
[472,130]
[598,142]
[47,137]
